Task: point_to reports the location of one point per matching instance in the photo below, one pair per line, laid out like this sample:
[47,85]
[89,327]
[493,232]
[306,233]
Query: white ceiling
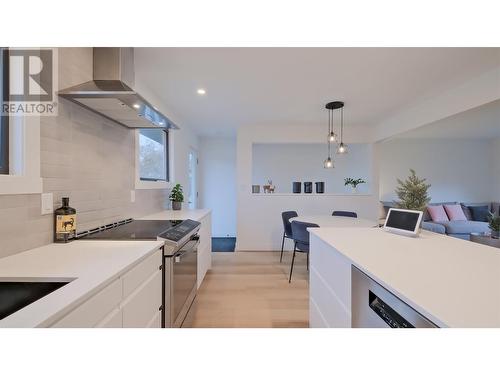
[482,122]
[290,86]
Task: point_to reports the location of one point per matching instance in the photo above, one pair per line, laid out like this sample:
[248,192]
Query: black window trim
[4,119]
[167,162]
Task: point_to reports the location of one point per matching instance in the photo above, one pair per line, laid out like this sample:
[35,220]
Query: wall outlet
[47,203]
[132,196]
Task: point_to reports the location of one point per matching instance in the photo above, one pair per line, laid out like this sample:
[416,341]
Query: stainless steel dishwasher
[373,306]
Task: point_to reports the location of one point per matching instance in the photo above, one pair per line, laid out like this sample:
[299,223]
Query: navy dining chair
[344,213]
[301,240]
[287,228]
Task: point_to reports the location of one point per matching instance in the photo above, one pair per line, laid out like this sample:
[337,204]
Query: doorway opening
[192,173]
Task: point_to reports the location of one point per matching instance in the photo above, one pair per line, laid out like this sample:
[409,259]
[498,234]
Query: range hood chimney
[111,92]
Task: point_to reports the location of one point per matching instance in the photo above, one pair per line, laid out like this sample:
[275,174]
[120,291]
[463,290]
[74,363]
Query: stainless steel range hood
[111,92]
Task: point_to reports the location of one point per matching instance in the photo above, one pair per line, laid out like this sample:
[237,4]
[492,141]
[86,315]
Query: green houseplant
[177,197]
[413,193]
[494,224]
[353,183]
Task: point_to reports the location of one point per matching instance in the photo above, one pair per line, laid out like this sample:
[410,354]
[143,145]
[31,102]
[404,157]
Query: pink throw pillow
[455,212]
[437,213]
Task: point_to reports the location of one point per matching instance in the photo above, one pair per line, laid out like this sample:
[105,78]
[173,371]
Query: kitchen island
[449,281]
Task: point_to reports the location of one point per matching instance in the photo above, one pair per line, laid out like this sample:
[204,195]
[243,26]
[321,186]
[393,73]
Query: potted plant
[353,183]
[494,224]
[177,197]
[412,193]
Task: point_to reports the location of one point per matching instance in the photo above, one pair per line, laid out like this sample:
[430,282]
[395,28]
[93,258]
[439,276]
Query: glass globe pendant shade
[342,149]
[332,137]
[328,163]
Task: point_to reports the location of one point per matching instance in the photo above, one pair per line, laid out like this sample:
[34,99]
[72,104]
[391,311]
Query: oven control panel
[178,232]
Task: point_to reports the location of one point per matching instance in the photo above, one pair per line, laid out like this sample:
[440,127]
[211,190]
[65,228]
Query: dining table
[336,221]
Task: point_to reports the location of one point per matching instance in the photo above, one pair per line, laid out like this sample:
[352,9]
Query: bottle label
[65,224]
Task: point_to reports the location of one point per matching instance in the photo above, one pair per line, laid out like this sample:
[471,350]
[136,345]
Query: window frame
[145,183]
[167,166]
[24,156]
[4,119]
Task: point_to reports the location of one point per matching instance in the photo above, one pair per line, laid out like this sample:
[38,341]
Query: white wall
[470,94]
[458,170]
[183,140]
[217,169]
[495,170]
[285,163]
[259,225]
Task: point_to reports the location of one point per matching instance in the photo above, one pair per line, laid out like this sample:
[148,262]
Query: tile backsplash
[89,159]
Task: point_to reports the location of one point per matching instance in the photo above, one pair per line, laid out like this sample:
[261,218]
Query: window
[153,155]
[19,141]
[4,120]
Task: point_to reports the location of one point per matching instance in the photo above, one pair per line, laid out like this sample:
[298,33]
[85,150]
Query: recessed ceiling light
[136,106]
[201,91]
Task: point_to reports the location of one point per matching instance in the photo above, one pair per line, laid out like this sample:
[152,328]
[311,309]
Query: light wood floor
[251,289]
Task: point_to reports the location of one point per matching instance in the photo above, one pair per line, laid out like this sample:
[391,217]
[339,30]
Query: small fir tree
[412,193]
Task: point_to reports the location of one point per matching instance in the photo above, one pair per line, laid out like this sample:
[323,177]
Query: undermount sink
[16,294]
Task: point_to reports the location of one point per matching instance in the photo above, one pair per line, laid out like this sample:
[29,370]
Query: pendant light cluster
[332,136]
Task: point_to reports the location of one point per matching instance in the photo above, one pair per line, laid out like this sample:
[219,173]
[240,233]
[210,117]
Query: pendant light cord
[342,125]
[330,126]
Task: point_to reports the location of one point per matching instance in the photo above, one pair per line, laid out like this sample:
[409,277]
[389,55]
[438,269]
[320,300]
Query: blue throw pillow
[479,213]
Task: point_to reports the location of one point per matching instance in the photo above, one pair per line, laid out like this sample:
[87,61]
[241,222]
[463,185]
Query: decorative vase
[320,187]
[308,187]
[354,190]
[495,234]
[176,206]
[296,187]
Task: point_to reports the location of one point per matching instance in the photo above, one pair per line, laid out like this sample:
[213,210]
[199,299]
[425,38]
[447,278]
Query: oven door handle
[181,253]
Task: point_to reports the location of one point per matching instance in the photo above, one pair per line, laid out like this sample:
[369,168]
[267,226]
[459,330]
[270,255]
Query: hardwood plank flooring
[251,289]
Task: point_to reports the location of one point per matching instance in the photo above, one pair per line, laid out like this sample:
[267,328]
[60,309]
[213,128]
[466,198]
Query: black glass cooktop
[135,230]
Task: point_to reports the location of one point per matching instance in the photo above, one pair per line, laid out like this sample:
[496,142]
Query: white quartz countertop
[183,214]
[453,282]
[90,264]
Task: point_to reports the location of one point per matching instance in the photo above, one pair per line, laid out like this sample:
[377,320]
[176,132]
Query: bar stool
[287,228]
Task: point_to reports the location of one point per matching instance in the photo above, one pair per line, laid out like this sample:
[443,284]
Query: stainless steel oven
[180,282]
[373,306]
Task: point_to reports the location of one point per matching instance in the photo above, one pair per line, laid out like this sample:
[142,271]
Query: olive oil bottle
[64,222]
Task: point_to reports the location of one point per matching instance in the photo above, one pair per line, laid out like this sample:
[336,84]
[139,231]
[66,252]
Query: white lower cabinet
[329,287]
[113,320]
[94,309]
[155,321]
[132,300]
[143,305]
[204,248]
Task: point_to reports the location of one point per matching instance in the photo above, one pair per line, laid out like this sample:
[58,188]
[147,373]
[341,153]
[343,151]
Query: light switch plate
[132,196]
[47,203]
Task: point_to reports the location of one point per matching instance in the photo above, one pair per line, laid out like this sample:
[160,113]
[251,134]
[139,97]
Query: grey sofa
[460,228]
